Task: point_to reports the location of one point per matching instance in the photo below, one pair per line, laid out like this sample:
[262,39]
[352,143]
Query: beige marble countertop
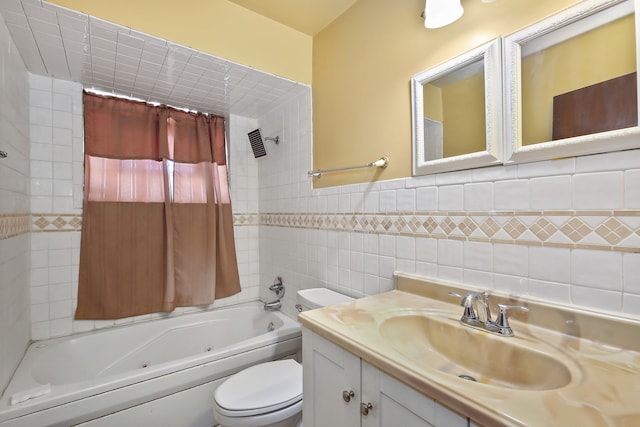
[601,351]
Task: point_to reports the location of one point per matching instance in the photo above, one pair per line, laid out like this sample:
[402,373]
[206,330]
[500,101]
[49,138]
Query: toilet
[269,394]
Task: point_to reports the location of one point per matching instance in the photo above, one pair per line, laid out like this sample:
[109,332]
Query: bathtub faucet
[273,305]
[278,288]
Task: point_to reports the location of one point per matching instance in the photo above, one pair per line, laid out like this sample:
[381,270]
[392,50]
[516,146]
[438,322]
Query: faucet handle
[278,287]
[502,321]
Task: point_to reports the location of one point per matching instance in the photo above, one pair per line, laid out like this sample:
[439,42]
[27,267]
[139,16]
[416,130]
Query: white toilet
[269,394]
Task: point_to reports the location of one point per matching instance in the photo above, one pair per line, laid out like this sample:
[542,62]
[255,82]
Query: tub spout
[273,305]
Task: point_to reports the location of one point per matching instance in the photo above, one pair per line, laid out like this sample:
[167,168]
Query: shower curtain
[157,230]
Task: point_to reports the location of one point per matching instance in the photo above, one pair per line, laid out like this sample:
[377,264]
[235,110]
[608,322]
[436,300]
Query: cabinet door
[393,403]
[446,417]
[329,372]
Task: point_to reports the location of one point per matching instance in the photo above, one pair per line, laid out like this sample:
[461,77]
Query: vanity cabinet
[342,390]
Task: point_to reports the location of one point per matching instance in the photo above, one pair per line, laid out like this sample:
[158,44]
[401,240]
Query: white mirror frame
[490,53]
[574,20]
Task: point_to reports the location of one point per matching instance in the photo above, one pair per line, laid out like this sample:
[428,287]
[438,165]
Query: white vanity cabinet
[341,390]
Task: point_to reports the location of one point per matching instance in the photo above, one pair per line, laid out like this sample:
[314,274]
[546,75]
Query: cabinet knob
[347,395]
[365,408]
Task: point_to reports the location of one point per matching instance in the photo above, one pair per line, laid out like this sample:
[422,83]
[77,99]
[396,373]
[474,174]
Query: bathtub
[157,373]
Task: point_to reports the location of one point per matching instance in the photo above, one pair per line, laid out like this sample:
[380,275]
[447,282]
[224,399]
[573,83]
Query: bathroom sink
[440,342]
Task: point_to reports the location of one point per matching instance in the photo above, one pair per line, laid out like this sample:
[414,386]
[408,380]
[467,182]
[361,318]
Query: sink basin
[440,342]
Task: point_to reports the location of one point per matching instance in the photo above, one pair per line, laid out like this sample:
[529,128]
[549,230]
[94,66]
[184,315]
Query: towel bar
[382,162]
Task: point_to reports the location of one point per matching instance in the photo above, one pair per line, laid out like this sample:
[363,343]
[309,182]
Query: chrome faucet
[477,313]
[278,288]
[273,305]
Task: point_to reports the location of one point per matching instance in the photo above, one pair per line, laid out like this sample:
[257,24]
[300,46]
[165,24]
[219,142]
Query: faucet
[477,313]
[278,288]
[273,305]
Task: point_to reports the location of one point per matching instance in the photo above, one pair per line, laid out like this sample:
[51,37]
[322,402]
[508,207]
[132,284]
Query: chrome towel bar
[382,162]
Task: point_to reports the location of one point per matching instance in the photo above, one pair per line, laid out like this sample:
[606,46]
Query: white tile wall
[450,198]
[551,192]
[478,196]
[14,199]
[56,188]
[632,189]
[511,194]
[56,133]
[602,190]
[14,304]
[54,272]
[243,169]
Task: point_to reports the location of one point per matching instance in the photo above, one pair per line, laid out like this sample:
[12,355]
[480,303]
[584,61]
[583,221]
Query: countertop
[603,352]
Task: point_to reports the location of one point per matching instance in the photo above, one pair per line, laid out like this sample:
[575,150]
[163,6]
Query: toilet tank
[308,299]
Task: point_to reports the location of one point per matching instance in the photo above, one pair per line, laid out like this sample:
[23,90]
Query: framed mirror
[571,83]
[457,112]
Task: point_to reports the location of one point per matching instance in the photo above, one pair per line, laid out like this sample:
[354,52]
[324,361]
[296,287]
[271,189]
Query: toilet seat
[260,389]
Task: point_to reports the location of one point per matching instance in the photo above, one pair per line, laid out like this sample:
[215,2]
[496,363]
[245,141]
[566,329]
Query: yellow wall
[432,102]
[464,129]
[362,65]
[596,56]
[218,27]
[459,107]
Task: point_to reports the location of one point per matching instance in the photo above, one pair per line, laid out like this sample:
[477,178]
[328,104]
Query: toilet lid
[261,388]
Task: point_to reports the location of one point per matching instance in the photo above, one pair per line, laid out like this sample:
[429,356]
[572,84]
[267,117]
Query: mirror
[572,81]
[456,112]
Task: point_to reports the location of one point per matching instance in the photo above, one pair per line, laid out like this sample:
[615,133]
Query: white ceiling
[69,45]
[307,16]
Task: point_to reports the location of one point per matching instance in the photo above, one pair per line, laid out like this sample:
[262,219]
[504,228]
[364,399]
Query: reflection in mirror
[457,112]
[454,113]
[578,69]
[573,79]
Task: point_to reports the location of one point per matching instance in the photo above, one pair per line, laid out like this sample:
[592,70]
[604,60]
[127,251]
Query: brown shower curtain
[157,229]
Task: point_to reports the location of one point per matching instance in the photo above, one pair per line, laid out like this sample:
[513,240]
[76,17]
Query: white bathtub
[126,375]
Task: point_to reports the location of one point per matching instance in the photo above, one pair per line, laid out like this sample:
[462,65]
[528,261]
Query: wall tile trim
[614,230]
[55,222]
[12,225]
[593,230]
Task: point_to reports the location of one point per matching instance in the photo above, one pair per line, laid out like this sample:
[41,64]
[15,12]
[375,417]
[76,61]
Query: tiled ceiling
[69,45]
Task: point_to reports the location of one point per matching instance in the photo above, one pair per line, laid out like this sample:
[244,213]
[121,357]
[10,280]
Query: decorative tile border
[246,219]
[600,230]
[12,225]
[73,222]
[56,222]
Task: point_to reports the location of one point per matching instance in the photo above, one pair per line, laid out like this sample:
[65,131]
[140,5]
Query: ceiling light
[438,13]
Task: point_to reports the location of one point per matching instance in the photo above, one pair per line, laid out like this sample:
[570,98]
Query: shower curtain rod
[382,162]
